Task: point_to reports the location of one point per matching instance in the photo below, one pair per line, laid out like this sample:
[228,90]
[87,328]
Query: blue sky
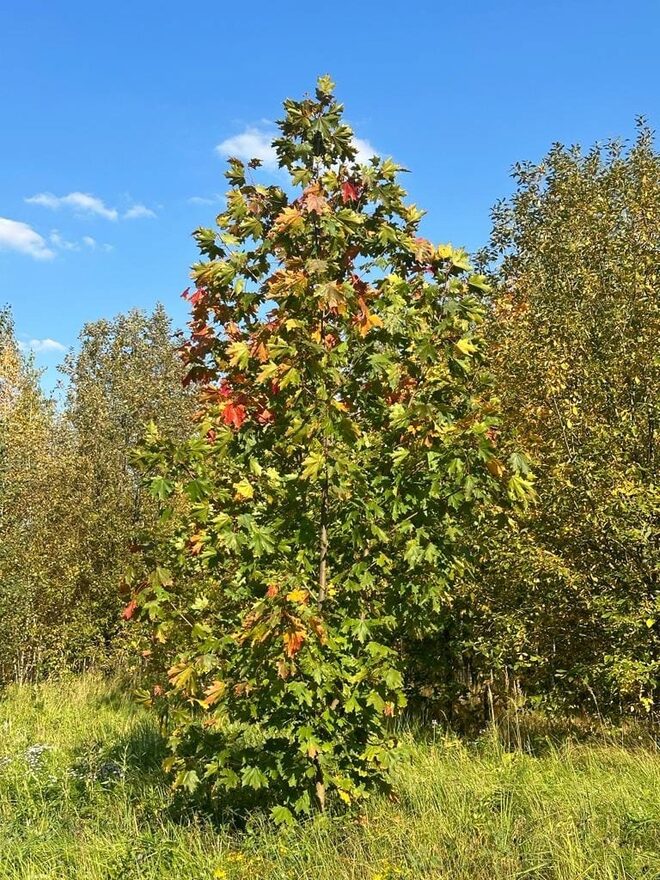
[112,114]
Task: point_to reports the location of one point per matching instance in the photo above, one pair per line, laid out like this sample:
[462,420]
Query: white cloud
[61,243]
[201,200]
[364,150]
[84,203]
[42,346]
[136,212]
[253,143]
[17,236]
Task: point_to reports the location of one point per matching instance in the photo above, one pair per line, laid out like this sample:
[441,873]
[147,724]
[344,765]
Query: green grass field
[81,797]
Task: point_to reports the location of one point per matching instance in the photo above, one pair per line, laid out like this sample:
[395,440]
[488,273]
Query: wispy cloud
[81,203]
[62,244]
[204,200]
[256,143]
[58,241]
[136,212]
[42,346]
[17,236]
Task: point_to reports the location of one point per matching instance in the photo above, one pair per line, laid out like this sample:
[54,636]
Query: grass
[81,796]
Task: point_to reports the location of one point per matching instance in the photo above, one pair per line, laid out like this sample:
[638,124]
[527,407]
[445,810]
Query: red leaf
[234,414]
[265,416]
[129,610]
[349,192]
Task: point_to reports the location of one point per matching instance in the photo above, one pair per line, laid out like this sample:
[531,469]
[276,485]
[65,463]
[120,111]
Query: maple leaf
[349,192]
[213,693]
[314,200]
[319,629]
[196,297]
[202,331]
[260,351]
[129,610]
[366,320]
[293,642]
[289,220]
[244,491]
[495,467]
[272,591]
[333,297]
[196,543]
[234,415]
[424,250]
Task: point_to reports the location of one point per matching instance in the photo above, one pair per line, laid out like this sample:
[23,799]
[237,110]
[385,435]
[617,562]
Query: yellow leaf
[495,467]
[289,220]
[465,346]
[239,354]
[244,491]
[268,371]
[298,596]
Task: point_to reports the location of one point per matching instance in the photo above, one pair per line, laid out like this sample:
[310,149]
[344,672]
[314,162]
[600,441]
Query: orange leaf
[293,642]
[314,200]
[234,414]
[129,610]
[213,693]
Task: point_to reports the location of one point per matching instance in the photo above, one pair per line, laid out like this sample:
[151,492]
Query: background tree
[573,604]
[346,435]
[71,499]
[26,455]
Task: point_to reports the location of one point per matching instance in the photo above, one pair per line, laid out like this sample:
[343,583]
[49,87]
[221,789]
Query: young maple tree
[346,430]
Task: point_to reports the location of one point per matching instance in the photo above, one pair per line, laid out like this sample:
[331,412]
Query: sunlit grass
[81,797]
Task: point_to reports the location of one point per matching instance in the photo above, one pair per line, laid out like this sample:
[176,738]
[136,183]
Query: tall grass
[81,796]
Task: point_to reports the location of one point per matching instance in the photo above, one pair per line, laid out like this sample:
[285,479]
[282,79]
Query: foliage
[79,798]
[346,434]
[70,498]
[26,454]
[571,607]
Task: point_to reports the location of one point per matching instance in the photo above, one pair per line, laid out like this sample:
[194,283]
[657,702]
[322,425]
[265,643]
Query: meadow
[82,796]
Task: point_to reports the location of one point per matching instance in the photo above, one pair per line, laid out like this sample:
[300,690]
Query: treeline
[561,604]
[71,502]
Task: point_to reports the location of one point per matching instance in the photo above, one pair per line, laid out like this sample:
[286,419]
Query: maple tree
[346,433]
